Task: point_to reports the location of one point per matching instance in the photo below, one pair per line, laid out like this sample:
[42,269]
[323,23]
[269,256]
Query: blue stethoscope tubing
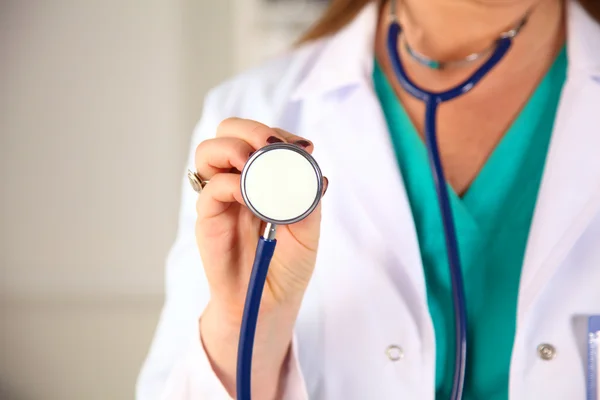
[432,100]
[266,246]
[256,284]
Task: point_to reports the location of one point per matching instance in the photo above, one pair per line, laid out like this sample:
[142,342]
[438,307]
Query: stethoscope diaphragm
[281,183]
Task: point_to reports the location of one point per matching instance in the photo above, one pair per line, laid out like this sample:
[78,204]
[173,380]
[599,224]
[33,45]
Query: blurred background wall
[98,99]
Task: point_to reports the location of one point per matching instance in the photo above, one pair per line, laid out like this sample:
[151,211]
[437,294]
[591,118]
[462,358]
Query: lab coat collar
[346,58]
[583,41]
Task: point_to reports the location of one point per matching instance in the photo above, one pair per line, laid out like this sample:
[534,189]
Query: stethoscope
[282,184]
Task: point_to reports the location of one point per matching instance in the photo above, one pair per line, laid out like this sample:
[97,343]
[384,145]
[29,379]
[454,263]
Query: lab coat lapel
[371,175]
[570,192]
[354,137]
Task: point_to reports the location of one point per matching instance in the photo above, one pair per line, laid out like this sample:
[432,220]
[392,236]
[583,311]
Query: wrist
[219,334]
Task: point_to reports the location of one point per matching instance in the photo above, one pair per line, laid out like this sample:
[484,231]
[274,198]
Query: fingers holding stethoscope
[223,190]
[235,141]
[216,198]
[297,140]
[221,154]
[220,160]
[259,135]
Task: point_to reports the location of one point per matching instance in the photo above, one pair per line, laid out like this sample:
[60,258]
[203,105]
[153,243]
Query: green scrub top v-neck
[492,222]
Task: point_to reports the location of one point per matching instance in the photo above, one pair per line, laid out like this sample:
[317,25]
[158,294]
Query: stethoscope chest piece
[281,183]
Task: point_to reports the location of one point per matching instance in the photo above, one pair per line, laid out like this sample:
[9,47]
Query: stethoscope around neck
[282,184]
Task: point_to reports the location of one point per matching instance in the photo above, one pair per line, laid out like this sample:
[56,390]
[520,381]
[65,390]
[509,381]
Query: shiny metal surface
[270,231]
[394,352]
[546,351]
[196,181]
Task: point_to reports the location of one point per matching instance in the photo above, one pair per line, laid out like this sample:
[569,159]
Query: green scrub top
[492,221]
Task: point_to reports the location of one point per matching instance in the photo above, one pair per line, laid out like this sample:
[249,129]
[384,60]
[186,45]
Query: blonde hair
[341,12]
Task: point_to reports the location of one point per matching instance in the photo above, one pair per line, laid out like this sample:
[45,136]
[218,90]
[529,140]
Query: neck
[471,125]
[446,30]
[449,30]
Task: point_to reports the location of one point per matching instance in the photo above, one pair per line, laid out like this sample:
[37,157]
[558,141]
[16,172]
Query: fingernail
[274,139]
[325,185]
[303,143]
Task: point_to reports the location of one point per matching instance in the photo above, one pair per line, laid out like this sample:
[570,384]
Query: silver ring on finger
[196,181]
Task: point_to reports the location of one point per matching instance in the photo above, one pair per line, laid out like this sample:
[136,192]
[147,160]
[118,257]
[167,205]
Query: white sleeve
[177,366]
[193,378]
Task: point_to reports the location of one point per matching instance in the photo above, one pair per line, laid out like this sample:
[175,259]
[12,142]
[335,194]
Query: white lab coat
[368,291]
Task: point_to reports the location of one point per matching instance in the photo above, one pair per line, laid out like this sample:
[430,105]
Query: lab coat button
[394,352]
[546,351]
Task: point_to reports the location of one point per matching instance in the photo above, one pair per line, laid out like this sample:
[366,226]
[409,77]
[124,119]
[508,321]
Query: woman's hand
[227,234]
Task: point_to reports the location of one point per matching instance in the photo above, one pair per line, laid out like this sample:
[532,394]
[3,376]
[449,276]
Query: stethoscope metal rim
[302,152]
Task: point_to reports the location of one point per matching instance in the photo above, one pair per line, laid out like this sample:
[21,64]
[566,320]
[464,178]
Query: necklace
[437,64]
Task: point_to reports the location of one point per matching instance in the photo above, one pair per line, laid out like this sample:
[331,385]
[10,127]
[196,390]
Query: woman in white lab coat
[357,300]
